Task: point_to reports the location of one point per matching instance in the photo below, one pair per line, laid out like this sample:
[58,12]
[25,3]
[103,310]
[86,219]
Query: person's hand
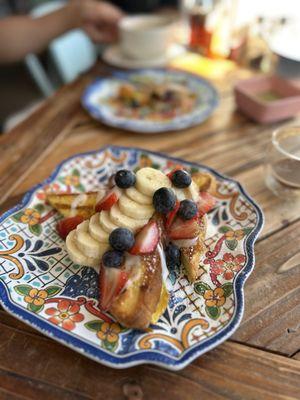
[98,18]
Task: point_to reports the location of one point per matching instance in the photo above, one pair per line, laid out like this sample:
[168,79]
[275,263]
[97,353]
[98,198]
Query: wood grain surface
[231,371]
[262,360]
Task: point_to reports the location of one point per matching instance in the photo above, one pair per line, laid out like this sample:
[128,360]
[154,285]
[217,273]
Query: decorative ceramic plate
[97,95]
[42,287]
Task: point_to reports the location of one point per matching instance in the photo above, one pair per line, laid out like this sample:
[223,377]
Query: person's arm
[21,35]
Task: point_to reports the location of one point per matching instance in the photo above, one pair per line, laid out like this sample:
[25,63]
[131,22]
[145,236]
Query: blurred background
[260,34]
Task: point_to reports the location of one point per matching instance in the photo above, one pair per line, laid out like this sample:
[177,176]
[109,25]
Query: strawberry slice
[169,174]
[206,203]
[184,229]
[108,200]
[146,240]
[111,282]
[66,225]
[171,215]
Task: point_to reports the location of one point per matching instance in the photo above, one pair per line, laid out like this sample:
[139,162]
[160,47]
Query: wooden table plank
[37,135]
[251,373]
[278,212]
[272,308]
[242,372]
[8,395]
[10,202]
[19,387]
[10,321]
[297,355]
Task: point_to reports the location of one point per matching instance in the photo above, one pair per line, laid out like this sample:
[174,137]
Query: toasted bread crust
[134,307]
[205,181]
[65,203]
[191,256]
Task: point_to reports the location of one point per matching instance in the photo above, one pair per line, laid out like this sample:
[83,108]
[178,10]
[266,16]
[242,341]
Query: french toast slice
[135,306]
[205,181]
[71,204]
[191,256]
[162,304]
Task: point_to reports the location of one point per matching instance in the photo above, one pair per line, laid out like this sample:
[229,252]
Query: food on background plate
[150,100]
[148,223]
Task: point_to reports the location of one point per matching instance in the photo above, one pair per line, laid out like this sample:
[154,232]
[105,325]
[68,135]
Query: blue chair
[71,54]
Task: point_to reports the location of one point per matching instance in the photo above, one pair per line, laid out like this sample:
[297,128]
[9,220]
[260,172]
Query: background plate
[41,286]
[95,95]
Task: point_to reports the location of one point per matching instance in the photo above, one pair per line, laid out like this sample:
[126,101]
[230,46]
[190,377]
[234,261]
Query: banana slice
[148,180]
[96,230]
[106,222]
[135,210]
[87,244]
[137,196]
[180,194]
[126,222]
[192,192]
[76,255]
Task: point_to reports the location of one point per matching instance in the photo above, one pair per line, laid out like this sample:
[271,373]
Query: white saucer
[285,42]
[113,56]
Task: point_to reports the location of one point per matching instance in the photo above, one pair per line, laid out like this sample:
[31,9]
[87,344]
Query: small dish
[41,286]
[267,99]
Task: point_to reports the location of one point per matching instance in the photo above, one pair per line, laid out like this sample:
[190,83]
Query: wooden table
[262,359]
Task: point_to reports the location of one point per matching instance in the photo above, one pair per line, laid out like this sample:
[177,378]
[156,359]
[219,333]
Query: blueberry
[121,239]
[172,256]
[181,179]
[125,179]
[187,209]
[164,200]
[112,259]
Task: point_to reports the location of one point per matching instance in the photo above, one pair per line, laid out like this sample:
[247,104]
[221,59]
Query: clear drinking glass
[283,162]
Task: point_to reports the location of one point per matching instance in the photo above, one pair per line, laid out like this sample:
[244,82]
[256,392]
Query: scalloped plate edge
[141,357]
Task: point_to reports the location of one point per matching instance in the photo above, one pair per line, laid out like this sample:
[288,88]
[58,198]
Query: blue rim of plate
[135,125]
[149,356]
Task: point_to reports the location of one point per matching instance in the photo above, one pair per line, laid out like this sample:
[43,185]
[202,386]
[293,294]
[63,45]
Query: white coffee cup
[144,37]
